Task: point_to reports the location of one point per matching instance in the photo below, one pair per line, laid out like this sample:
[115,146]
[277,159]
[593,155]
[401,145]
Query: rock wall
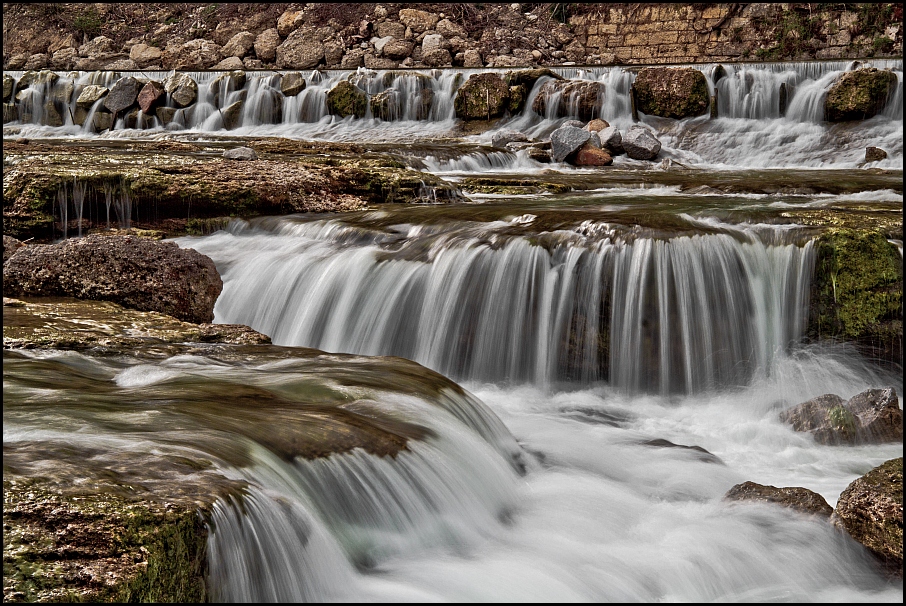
[387,36]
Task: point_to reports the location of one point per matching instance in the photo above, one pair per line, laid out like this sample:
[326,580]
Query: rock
[815,416]
[671,92]
[859,94]
[539,155]
[230,63]
[135,272]
[289,22]
[432,42]
[240,153]
[165,114]
[872,154]
[640,144]
[150,95]
[482,97]
[502,137]
[64,58]
[10,112]
[878,416]
[418,21]
[8,83]
[589,155]
[393,29]
[97,46]
[135,118]
[611,140]
[123,94]
[121,65]
[266,44]
[449,29]
[472,58]
[239,45]
[870,417]
[183,90]
[90,95]
[373,62]
[528,77]
[38,61]
[578,98]
[231,116]
[301,50]
[145,55]
[291,84]
[17,61]
[228,82]
[567,140]
[437,58]
[871,511]
[398,49]
[802,500]
[596,125]
[346,99]
[10,246]
[43,78]
[386,104]
[102,121]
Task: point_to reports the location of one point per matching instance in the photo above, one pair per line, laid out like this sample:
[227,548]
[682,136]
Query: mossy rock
[671,92]
[857,292]
[482,97]
[859,94]
[346,99]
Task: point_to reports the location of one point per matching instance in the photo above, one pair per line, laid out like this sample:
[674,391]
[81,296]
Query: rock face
[134,272]
[871,511]
[346,99]
[566,140]
[870,417]
[559,98]
[671,92]
[482,97]
[10,246]
[859,94]
[640,144]
[123,94]
[800,499]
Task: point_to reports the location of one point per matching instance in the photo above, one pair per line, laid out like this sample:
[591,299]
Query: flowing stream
[596,335]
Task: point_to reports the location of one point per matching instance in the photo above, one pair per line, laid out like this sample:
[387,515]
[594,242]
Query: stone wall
[391,35]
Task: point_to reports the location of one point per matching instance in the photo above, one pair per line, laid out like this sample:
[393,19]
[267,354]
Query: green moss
[842,420]
[859,94]
[346,99]
[671,93]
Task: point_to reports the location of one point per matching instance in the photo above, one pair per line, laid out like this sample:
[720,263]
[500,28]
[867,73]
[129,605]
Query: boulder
[230,63]
[228,82]
[289,22]
[502,137]
[611,140]
[871,511]
[10,246]
[580,98]
[291,84]
[125,65]
[872,154]
[539,155]
[671,92]
[418,21]
[136,118]
[8,83]
[393,29]
[231,115]
[878,416]
[90,95]
[97,46]
[589,155]
[266,44]
[870,417]
[38,61]
[239,45]
[432,42]
[123,94]
[194,55]
[472,58]
[640,144]
[449,29]
[138,273]
[398,49]
[44,77]
[346,99]
[240,153]
[145,55]
[799,499]
[64,58]
[859,94]
[150,95]
[165,114]
[301,50]
[482,97]
[183,90]
[386,104]
[17,61]
[437,58]
[102,121]
[528,77]
[596,125]
[816,416]
[566,140]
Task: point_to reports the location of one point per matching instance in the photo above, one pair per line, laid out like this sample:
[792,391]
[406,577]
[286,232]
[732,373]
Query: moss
[671,92]
[842,420]
[346,99]
[859,94]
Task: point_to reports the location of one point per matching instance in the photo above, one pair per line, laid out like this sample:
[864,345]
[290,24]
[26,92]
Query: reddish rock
[150,96]
[589,155]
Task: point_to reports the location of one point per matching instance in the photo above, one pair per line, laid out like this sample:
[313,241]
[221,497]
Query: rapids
[585,328]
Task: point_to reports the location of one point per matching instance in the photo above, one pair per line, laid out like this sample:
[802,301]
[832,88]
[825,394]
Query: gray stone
[611,140]
[502,137]
[291,84]
[386,104]
[432,42]
[566,140]
[90,95]
[183,90]
[165,114]
[240,153]
[640,144]
[231,115]
[123,94]
[228,82]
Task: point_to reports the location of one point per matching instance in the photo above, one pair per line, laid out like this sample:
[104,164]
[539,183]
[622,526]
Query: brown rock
[150,95]
[291,84]
[482,97]
[874,154]
[266,44]
[145,55]
[671,92]
[419,21]
[123,94]
[398,49]
[97,46]
[588,155]
[10,246]
[859,94]
[289,22]
[800,499]
[596,125]
[870,417]
[239,45]
[301,50]
[437,58]
[579,98]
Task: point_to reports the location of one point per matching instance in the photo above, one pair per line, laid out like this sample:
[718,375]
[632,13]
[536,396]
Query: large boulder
[566,140]
[135,272]
[183,90]
[482,97]
[10,246]
[397,49]
[871,511]
[504,136]
[872,154]
[97,46]
[346,99]
[291,84]
[671,92]
[239,45]
[123,94]
[90,95]
[301,50]
[640,144]
[145,55]
[418,21]
[799,499]
[386,104]
[266,44]
[194,55]
[579,98]
[590,155]
[870,417]
[528,77]
[611,140]
[859,94]
[232,114]
[150,96]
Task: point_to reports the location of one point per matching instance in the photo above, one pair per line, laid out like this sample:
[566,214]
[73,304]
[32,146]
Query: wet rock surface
[640,144]
[797,498]
[671,92]
[859,94]
[870,417]
[482,97]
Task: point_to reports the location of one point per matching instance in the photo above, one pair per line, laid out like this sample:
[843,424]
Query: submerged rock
[874,154]
[580,98]
[134,272]
[671,92]
[871,511]
[640,144]
[482,97]
[870,417]
[859,94]
[800,499]
[346,99]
